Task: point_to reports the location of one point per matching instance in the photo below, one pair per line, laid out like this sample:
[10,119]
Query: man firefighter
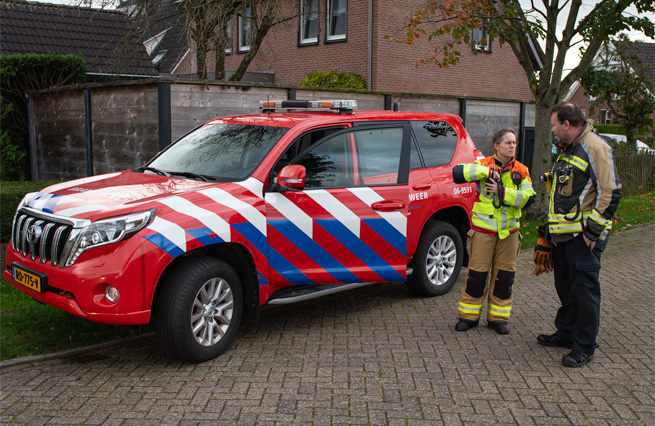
[584,196]
[503,188]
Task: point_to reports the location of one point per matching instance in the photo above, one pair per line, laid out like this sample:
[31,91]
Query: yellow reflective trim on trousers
[470,309]
[501,311]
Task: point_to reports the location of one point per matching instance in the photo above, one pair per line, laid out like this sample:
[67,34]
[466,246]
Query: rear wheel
[437,261]
[199,310]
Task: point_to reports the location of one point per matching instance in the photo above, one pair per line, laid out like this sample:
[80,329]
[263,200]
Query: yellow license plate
[26,278]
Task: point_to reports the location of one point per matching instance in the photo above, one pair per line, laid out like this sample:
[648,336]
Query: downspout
[370,45]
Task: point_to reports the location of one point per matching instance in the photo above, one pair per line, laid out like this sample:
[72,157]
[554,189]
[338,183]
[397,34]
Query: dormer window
[480,40]
[153,42]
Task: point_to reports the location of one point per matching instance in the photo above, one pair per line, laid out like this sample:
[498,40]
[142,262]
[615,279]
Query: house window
[606,116]
[308,21]
[481,41]
[153,42]
[228,37]
[245,29]
[337,19]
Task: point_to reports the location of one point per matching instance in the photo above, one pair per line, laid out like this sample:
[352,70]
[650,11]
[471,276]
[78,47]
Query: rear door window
[437,141]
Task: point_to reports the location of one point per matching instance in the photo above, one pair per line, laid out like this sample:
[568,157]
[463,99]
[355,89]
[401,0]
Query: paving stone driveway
[373,356]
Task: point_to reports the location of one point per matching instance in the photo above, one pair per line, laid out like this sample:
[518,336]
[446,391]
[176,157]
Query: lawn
[29,328]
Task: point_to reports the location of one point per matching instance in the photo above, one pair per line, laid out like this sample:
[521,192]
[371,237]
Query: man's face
[560,130]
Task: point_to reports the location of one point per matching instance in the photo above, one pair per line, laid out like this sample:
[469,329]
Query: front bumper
[80,289]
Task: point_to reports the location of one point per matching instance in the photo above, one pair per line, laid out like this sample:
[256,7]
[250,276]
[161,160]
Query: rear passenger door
[349,223]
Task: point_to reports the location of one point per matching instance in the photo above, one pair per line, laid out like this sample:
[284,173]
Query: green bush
[615,129]
[11,193]
[334,79]
[20,75]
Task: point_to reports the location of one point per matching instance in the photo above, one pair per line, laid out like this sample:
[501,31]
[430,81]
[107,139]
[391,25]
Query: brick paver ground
[373,356]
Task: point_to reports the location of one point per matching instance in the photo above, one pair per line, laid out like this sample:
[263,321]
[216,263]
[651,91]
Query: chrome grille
[42,238]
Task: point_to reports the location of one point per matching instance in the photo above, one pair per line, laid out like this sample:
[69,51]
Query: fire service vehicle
[302,199]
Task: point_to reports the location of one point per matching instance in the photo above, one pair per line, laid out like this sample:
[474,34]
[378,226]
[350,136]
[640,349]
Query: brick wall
[497,74]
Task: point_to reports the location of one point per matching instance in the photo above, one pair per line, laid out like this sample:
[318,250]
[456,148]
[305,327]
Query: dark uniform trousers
[577,284]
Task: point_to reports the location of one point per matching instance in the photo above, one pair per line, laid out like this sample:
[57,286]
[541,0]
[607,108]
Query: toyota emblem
[33,234]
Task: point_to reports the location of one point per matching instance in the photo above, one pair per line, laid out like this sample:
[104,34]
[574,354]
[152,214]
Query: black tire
[204,294]
[437,261]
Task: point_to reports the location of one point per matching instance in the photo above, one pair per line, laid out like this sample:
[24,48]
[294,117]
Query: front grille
[42,238]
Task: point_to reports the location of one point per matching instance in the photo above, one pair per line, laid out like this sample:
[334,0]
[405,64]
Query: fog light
[112,294]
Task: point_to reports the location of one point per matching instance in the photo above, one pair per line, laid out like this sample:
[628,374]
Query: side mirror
[292,177]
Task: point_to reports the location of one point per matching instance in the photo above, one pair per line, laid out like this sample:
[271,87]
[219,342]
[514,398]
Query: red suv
[302,199]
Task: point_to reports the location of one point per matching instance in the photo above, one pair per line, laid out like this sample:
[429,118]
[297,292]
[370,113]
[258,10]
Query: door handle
[388,205]
[421,186]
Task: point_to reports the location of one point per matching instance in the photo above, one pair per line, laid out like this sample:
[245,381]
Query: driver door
[349,223]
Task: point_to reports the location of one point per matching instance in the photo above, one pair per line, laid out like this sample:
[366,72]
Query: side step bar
[302,293]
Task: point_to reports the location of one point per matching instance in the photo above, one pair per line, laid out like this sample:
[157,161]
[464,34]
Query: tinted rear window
[437,140]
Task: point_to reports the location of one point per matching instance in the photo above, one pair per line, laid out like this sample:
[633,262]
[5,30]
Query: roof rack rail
[344,106]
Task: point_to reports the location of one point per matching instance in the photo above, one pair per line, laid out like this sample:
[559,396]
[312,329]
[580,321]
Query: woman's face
[506,147]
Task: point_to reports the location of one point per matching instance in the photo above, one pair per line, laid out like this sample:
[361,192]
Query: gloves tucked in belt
[542,258]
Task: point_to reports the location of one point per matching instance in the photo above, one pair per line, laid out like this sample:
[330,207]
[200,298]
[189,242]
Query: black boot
[465,325]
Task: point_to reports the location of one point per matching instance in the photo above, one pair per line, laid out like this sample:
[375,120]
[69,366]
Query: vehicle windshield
[218,152]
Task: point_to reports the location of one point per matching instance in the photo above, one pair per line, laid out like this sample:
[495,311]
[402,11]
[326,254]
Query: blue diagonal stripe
[252,234]
[165,244]
[49,206]
[315,251]
[285,268]
[204,235]
[389,233]
[360,249]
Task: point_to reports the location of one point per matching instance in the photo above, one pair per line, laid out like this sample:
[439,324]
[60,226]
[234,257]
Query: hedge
[11,194]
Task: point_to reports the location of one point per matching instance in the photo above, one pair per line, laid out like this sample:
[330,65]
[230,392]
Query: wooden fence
[637,173]
[102,128]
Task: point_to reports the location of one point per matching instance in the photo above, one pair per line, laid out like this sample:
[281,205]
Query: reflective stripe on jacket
[497,213]
[585,191]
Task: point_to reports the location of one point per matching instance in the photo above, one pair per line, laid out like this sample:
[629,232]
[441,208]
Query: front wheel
[199,310]
[437,261]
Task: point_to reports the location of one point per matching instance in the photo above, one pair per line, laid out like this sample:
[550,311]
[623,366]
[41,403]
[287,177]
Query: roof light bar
[342,105]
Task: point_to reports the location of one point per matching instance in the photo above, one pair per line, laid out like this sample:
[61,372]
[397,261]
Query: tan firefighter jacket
[585,191]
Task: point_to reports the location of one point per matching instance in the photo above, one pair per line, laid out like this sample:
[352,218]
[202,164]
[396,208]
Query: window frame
[241,24]
[477,34]
[302,39]
[329,37]
[229,37]
[403,167]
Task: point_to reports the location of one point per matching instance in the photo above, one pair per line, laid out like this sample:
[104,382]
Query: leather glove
[542,253]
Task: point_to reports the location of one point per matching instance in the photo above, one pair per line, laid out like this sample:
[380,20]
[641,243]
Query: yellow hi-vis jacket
[497,213]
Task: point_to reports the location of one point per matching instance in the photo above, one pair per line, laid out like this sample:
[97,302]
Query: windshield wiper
[152,169]
[204,178]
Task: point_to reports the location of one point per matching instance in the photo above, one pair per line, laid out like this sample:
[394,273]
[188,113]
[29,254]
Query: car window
[300,145]
[354,158]
[226,152]
[379,155]
[437,141]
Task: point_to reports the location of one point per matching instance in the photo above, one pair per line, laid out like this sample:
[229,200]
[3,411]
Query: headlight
[105,232]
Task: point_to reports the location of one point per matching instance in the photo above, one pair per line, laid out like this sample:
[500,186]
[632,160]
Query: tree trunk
[201,60]
[541,161]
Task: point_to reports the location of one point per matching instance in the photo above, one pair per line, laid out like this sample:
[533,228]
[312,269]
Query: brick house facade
[389,67]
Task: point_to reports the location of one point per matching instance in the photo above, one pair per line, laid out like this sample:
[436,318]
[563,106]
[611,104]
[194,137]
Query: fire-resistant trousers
[489,253]
[577,284]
